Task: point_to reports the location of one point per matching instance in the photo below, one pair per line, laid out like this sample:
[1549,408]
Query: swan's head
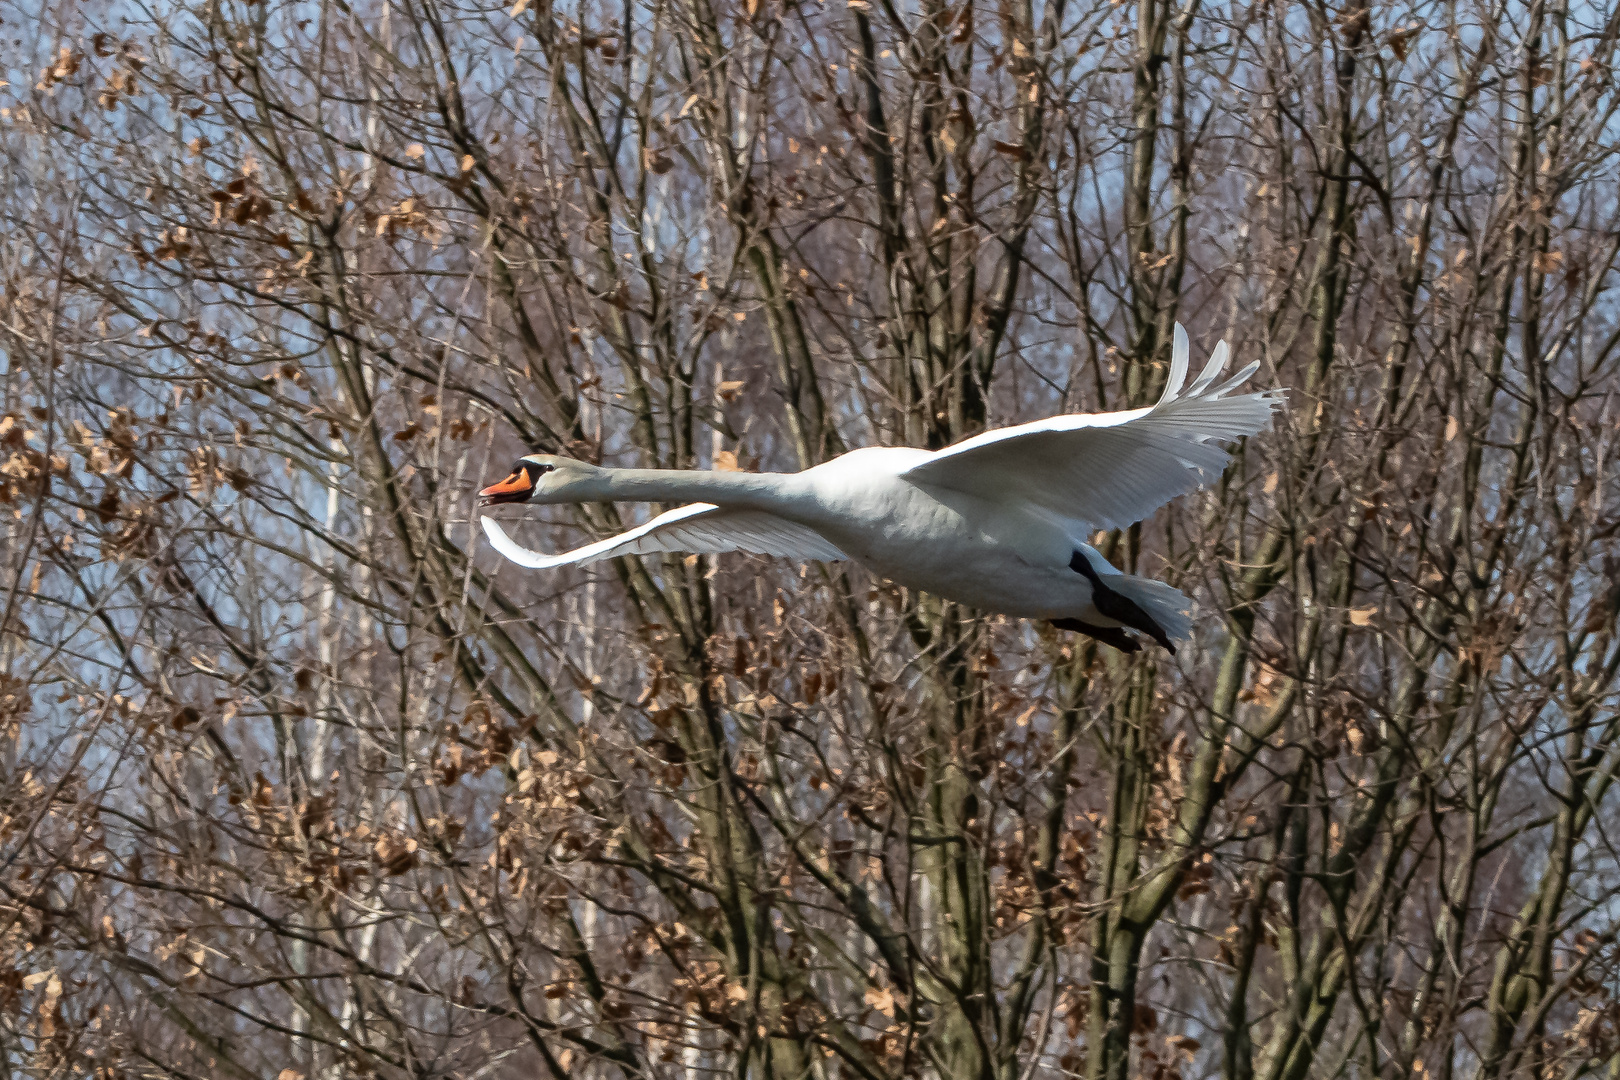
[544,478]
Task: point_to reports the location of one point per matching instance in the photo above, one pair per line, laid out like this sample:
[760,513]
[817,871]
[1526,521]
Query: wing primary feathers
[1211,372]
[700,528]
[512,550]
[1178,365]
[1238,380]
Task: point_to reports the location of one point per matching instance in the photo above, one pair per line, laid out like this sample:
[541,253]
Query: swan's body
[996,522]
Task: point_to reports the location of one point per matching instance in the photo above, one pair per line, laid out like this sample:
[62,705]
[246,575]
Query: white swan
[995,522]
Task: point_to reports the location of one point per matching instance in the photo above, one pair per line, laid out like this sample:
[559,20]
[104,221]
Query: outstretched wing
[1107,470]
[701,528]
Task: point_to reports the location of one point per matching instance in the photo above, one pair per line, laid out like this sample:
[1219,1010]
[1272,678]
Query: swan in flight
[996,522]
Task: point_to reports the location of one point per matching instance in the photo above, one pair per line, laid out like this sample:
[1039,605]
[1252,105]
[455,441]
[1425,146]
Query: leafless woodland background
[300,781]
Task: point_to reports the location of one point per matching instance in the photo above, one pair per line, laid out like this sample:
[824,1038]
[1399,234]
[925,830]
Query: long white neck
[756,491]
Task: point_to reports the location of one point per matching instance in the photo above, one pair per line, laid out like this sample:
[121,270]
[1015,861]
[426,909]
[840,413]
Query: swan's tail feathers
[1166,605]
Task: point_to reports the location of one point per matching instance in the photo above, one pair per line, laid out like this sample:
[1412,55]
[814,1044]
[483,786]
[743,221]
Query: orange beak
[515,488]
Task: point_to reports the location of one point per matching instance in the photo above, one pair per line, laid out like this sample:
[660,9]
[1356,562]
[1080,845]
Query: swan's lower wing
[700,529]
[1107,470]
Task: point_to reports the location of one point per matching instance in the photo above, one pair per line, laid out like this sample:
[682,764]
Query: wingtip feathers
[1180,354]
[511,548]
[1212,370]
[1237,380]
[1178,364]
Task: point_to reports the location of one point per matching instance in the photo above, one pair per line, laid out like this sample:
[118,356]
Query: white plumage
[1108,470]
[703,528]
[997,521]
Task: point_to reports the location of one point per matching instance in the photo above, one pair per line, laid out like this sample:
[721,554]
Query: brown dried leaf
[880,998]
[396,855]
[1400,40]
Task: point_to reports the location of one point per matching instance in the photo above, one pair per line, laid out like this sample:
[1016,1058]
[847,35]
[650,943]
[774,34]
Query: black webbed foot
[1116,605]
[1108,635]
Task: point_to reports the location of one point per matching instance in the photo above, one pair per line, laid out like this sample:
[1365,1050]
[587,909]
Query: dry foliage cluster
[298,781]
